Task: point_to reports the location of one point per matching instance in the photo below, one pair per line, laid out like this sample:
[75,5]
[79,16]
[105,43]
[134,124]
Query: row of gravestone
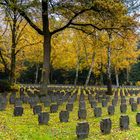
[18,110]
[82,128]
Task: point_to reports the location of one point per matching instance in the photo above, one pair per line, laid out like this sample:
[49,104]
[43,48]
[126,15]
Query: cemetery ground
[26,127]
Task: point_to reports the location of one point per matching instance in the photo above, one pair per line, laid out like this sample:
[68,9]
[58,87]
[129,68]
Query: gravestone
[47,103]
[114,102]
[64,116]
[111,110]
[123,108]
[123,101]
[82,130]
[134,107]
[99,99]
[93,104]
[131,100]
[82,105]
[12,99]
[53,108]
[138,118]
[69,107]
[18,111]
[2,106]
[138,100]
[25,99]
[37,109]
[97,112]
[3,103]
[43,118]
[105,126]
[18,102]
[104,103]
[82,113]
[124,122]
[32,102]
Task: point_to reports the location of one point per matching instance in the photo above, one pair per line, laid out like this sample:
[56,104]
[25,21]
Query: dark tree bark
[109,82]
[13,50]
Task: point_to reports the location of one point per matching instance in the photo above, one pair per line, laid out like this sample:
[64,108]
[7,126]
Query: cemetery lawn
[26,127]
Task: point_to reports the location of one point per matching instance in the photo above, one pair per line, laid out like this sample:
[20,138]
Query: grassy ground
[27,128]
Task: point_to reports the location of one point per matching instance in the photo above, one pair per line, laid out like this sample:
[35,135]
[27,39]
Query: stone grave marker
[53,108]
[123,108]
[82,130]
[111,110]
[97,112]
[43,118]
[134,107]
[124,122]
[69,107]
[82,113]
[138,118]
[105,125]
[64,116]
[37,109]
[18,111]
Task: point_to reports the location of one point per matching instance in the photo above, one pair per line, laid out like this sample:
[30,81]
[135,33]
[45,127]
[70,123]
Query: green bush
[4,86]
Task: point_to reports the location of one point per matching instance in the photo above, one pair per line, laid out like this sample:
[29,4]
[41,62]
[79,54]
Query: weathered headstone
[93,104]
[114,102]
[138,100]
[37,109]
[124,122]
[53,108]
[138,118]
[105,126]
[111,110]
[131,100]
[18,102]
[104,103]
[3,103]
[123,101]
[64,116]
[69,107]
[82,113]
[18,111]
[82,105]
[43,118]
[47,103]
[12,99]
[97,111]
[123,108]
[82,130]
[134,107]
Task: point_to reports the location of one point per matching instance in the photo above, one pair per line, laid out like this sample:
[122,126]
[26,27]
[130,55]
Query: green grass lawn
[27,128]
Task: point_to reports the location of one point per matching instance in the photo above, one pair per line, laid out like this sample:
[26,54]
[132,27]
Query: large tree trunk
[117,78]
[109,82]
[13,49]
[46,48]
[90,70]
